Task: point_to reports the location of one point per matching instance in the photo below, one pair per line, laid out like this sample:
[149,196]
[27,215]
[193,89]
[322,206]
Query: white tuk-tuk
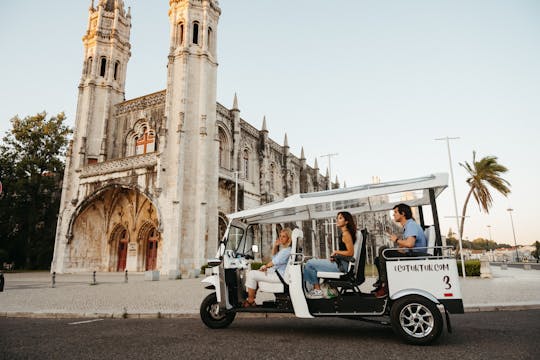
[423,290]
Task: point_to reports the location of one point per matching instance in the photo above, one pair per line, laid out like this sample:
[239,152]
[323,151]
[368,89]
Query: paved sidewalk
[31,295]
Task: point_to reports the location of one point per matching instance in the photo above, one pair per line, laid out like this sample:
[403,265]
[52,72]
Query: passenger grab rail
[296,258]
[424,253]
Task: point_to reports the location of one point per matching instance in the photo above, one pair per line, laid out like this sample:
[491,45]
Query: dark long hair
[351,225]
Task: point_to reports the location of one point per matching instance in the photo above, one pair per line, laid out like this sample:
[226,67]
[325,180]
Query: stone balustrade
[119,165]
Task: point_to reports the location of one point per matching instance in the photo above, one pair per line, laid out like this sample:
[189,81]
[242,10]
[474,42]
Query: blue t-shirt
[280,260]
[411,228]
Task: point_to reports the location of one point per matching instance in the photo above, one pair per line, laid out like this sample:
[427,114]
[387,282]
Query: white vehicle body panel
[438,277]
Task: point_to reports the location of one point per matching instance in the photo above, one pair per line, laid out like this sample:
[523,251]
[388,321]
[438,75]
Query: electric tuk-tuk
[422,290]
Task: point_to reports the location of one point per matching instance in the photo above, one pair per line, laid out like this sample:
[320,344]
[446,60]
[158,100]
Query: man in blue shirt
[412,242]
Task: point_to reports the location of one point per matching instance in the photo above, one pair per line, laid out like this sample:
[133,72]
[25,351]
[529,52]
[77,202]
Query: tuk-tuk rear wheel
[211,316]
[416,319]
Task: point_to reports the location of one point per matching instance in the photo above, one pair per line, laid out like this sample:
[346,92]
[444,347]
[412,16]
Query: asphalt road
[483,335]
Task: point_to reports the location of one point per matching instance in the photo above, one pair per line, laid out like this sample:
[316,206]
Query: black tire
[211,316]
[416,319]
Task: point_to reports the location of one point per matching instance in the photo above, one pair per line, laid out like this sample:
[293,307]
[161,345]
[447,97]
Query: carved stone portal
[115,232]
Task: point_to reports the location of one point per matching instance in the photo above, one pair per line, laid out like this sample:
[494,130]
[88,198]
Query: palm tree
[483,173]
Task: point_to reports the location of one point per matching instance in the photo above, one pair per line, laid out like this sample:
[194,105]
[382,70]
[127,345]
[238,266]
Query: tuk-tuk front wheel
[211,316]
[416,319]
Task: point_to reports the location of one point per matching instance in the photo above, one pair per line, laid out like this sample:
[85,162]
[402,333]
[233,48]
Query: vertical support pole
[438,240]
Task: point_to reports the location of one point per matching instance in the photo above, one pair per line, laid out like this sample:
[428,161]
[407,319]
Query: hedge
[472,268]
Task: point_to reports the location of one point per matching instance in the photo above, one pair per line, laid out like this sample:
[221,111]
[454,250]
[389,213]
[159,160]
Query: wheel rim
[213,311]
[416,320]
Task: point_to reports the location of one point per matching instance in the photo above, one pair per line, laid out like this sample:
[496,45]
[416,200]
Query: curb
[493,307]
[159,315]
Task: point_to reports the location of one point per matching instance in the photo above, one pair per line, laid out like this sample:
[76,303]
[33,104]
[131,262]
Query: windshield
[234,238]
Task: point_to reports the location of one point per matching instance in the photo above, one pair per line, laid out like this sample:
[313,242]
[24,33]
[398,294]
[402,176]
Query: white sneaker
[315,294]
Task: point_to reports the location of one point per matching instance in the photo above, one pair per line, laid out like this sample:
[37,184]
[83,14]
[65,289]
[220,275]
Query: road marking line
[84,322]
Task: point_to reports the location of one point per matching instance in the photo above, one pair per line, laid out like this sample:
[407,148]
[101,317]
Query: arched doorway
[122,251]
[152,249]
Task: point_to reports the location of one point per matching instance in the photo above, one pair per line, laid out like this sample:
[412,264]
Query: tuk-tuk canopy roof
[356,200]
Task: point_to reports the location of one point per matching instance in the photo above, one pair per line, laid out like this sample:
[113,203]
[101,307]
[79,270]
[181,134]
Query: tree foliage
[536,252]
[483,175]
[31,169]
[476,244]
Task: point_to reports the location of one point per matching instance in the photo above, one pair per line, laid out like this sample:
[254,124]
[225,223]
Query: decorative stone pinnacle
[235,102]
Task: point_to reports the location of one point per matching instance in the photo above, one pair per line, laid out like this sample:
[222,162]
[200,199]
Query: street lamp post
[489,231]
[510,210]
[447,139]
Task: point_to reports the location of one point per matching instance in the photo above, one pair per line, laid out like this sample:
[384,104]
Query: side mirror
[214,262]
[255,248]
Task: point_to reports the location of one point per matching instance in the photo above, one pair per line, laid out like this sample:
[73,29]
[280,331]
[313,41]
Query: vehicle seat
[429,232]
[275,288]
[355,276]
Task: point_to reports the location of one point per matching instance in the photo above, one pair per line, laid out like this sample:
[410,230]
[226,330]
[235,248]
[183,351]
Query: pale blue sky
[375,81]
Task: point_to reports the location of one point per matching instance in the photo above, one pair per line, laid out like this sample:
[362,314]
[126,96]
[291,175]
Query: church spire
[264,128]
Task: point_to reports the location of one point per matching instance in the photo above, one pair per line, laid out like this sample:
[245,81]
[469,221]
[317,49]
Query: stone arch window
[141,139]
[222,225]
[103,67]
[245,163]
[272,176]
[210,41]
[294,184]
[196,32]
[116,69]
[89,66]
[180,33]
[224,149]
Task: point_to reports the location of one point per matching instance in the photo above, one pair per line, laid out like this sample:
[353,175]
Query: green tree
[536,251]
[484,174]
[31,169]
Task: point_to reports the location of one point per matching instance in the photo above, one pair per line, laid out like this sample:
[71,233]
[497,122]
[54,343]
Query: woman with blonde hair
[267,272]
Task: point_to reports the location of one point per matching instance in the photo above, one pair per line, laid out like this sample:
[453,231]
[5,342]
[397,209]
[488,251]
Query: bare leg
[251,295]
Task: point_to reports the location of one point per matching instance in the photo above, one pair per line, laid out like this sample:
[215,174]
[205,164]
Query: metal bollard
[53,282]
[126,277]
[2,281]
[94,278]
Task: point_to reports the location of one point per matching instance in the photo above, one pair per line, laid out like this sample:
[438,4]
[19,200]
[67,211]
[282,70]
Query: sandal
[248,303]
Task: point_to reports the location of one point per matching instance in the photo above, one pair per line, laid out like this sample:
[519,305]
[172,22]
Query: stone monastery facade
[148,181]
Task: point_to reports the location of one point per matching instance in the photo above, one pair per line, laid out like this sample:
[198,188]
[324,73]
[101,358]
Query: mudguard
[420,292]
[212,281]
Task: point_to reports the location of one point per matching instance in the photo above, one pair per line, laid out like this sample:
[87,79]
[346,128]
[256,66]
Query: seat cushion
[329,275]
[271,287]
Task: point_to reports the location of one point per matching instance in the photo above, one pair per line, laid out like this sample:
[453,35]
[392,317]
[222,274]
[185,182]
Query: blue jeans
[314,265]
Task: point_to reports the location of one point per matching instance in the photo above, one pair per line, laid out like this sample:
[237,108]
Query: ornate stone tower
[188,171]
[106,54]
